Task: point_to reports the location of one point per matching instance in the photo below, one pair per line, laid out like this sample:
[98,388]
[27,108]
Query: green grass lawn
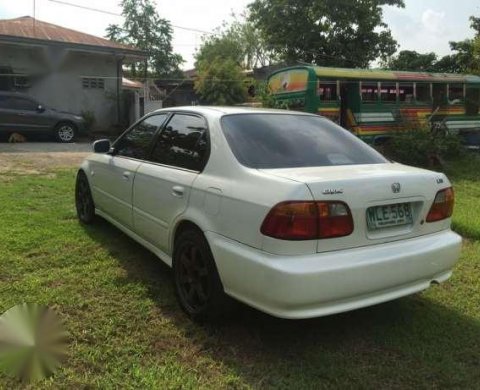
[127,330]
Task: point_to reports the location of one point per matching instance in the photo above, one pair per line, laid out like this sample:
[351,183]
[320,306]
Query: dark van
[22,114]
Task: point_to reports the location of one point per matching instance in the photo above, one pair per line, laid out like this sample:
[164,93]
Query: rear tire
[83,200]
[197,284]
[65,132]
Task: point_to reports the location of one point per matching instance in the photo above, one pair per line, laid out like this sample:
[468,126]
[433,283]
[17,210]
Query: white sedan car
[284,211]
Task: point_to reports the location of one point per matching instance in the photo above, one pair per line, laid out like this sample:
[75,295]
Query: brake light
[308,220]
[442,206]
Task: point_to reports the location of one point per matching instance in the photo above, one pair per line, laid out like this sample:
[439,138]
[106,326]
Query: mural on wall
[294,80]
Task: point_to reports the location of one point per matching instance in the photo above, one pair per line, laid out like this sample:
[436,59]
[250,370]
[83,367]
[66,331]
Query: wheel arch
[65,122]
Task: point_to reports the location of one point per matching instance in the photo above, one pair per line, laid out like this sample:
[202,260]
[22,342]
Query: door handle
[126,176]
[178,191]
[21,114]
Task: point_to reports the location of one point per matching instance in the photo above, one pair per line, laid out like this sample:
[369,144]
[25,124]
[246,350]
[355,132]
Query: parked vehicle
[374,103]
[24,115]
[284,211]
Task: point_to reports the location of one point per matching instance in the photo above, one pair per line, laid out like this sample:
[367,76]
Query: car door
[162,186]
[21,115]
[113,174]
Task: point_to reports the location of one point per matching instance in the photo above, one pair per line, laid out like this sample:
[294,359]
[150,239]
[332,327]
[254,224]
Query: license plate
[379,217]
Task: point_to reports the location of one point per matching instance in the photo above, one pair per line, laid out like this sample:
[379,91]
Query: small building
[69,70]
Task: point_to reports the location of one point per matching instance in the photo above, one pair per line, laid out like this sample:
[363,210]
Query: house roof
[27,28]
[131,84]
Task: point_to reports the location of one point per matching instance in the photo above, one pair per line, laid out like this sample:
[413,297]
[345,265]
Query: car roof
[227,110]
[13,93]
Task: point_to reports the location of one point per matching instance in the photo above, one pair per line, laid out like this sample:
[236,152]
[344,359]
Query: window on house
[21,82]
[93,83]
[327,90]
[388,92]
[423,93]
[405,92]
[455,93]
[369,92]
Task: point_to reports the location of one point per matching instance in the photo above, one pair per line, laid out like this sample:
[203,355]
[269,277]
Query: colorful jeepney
[373,103]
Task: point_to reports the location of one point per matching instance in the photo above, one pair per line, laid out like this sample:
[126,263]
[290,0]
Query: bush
[89,118]
[422,148]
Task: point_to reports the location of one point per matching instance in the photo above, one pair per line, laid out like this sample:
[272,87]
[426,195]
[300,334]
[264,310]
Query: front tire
[83,200]
[196,281]
[65,132]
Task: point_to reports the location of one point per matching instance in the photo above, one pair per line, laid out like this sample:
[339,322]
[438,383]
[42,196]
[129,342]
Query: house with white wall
[69,70]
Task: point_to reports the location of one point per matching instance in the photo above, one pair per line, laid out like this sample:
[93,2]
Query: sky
[423,25]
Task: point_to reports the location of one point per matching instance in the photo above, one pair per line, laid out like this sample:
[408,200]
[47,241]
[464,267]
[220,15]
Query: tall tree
[348,33]
[465,58]
[239,41]
[220,82]
[412,61]
[146,30]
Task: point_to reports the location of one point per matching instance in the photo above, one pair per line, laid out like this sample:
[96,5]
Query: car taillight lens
[308,220]
[442,206]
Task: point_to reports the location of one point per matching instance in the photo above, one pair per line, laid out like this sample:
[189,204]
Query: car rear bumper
[333,282]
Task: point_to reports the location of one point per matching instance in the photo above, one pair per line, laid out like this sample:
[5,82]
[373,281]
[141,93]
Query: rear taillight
[308,220]
[442,206]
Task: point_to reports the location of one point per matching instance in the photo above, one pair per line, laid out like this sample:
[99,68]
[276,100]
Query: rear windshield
[289,141]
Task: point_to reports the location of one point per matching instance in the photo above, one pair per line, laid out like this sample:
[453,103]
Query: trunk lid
[388,202]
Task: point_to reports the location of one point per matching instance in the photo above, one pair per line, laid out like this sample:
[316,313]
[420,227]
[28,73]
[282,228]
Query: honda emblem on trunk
[396,188]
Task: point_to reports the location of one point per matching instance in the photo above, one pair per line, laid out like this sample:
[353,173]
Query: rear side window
[17,103]
[136,143]
[288,141]
[182,143]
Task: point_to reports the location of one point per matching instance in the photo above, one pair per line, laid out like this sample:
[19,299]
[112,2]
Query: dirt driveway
[40,157]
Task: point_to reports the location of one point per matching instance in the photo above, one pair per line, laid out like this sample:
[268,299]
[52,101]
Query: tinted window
[287,141]
[183,143]
[16,103]
[136,143]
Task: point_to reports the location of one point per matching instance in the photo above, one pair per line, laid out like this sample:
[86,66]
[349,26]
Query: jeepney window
[455,93]
[388,92]
[439,94]
[369,92]
[405,92]
[472,101]
[327,90]
[423,93]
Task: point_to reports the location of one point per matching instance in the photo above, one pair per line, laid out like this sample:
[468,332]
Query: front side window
[182,143]
[136,143]
[289,140]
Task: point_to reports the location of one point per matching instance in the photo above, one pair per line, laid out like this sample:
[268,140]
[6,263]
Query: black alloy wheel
[196,280]
[83,199]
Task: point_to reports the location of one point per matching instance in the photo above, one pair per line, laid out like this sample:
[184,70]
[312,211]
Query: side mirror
[101,146]
[40,108]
